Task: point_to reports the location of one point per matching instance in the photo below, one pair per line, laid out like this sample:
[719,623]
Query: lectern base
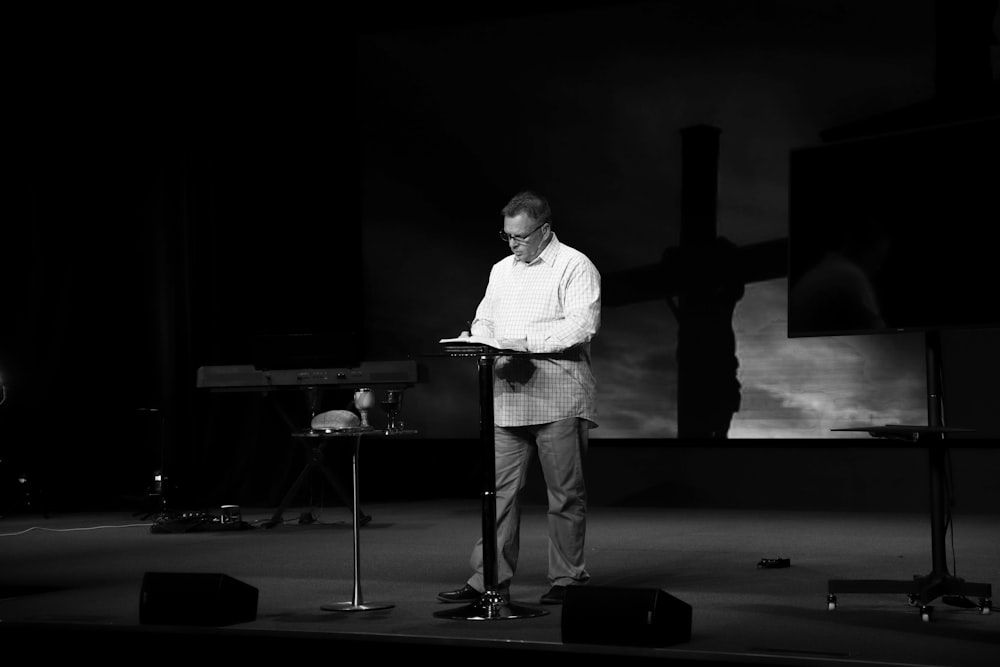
[490,607]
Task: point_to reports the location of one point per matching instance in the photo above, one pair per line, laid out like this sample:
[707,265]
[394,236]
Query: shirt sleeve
[581,296]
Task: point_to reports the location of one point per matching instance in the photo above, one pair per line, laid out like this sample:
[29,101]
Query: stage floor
[74,578]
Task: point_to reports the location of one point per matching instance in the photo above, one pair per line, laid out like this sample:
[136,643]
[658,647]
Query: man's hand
[516,344]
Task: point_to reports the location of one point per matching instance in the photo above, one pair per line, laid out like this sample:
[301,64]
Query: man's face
[526,236]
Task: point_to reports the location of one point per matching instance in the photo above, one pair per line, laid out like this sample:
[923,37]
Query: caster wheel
[912,598]
[926,613]
[831,602]
[985,606]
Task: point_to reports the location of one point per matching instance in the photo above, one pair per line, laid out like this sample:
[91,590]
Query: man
[545,298]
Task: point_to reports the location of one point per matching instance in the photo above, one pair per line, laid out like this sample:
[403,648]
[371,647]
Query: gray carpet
[68,579]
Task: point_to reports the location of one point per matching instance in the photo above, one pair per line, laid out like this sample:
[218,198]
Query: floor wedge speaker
[195,598]
[624,617]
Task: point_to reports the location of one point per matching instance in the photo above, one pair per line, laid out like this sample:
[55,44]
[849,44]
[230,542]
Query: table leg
[357,602]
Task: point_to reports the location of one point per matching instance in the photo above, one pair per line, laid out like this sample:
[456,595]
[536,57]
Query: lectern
[491,605]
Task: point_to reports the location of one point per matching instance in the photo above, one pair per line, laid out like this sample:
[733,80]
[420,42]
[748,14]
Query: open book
[505,344]
[472,340]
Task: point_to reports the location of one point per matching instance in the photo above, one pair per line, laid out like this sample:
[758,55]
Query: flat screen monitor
[895,232]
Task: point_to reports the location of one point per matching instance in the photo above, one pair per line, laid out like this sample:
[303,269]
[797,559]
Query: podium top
[474,350]
[352,431]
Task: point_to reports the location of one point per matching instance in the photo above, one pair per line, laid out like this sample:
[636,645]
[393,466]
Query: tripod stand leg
[276,517]
[348,502]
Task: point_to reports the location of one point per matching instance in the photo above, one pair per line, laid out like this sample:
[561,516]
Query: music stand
[938,582]
[491,605]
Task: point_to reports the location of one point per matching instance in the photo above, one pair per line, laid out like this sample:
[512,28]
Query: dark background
[188,180]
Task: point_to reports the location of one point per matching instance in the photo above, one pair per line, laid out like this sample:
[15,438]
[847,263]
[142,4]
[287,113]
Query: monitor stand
[939,582]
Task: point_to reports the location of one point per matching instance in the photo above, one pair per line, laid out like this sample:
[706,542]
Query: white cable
[70,530]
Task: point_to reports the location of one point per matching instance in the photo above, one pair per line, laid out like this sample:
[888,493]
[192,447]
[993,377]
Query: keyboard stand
[316,448]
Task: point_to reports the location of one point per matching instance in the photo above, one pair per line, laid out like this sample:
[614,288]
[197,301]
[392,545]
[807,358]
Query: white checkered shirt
[555,304]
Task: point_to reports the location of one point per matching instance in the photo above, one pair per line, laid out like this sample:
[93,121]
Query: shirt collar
[548,254]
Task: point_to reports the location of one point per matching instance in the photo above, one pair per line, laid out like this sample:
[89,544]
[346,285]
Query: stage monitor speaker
[624,617]
[198,598]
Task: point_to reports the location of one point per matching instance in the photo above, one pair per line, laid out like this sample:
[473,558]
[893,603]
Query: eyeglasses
[507,238]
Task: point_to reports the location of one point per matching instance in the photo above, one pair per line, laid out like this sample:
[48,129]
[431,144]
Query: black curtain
[171,200]
[97,308]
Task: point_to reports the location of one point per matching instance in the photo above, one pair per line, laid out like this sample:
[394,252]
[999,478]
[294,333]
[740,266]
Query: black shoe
[464,594]
[556,595]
